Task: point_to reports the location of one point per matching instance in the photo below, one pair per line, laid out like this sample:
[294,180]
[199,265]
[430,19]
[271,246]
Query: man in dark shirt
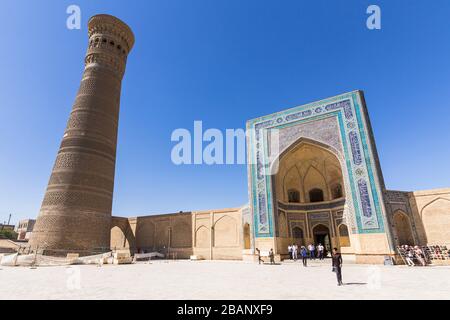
[336,259]
[272,256]
[258,252]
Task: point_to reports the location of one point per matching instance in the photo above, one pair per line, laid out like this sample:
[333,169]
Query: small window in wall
[293,196]
[337,191]
[315,195]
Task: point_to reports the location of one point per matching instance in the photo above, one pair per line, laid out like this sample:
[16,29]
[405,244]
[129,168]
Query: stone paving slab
[224,280]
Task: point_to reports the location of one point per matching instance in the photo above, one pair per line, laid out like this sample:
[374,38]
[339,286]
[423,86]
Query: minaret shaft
[75,215]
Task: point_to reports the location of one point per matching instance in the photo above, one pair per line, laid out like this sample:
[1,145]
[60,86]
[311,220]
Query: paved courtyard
[223,280]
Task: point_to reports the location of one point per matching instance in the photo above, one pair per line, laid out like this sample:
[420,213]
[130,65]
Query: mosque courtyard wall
[416,218]
[208,234]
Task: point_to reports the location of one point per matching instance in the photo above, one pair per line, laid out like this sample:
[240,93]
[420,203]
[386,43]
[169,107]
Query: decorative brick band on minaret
[75,215]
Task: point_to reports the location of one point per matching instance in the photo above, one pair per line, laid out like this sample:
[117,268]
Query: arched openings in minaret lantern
[101,42]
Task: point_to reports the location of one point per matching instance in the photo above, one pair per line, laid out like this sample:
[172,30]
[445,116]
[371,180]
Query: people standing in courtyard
[336,261]
[320,249]
[272,256]
[420,256]
[312,249]
[258,252]
[290,252]
[304,255]
[409,257]
[295,252]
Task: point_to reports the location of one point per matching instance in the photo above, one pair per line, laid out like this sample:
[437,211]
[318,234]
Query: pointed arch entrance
[322,235]
[306,172]
[315,170]
[403,228]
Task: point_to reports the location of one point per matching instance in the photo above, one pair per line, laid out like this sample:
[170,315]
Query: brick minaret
[75,215]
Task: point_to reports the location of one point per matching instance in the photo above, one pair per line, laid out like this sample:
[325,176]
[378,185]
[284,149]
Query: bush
[8,234]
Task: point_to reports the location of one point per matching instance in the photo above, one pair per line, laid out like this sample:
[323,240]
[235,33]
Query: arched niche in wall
[202,237]
[403,228]
[145,235]
[247,236]
[226,232]
[436,220]
[344,238]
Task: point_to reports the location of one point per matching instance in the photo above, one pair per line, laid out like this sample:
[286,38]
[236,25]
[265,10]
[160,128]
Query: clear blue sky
[222,62]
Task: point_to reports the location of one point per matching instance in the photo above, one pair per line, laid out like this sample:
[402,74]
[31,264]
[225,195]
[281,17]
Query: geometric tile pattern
[364,203]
